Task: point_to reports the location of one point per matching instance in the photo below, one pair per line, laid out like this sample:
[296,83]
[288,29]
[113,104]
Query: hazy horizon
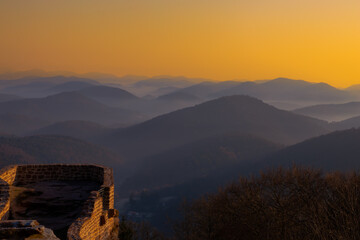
[138,77]
[312,40]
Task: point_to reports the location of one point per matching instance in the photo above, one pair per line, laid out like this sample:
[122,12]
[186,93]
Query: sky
[314,40]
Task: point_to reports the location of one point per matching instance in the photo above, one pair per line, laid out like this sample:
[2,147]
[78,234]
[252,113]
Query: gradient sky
[314,40]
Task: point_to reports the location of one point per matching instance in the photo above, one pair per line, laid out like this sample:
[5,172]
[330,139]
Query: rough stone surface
[55,204]
[42,191]
[18,223]
[25,229]
[47,234]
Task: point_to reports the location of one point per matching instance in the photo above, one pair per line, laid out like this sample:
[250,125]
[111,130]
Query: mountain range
[84,130]
[336,151]
[173,137]
[331,112]
[14,124]
[280,89]
[53,149]
[32,87]
[198,159]
[69,106]
[239,114]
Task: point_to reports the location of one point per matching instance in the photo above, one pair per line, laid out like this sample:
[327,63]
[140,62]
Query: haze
[222,40]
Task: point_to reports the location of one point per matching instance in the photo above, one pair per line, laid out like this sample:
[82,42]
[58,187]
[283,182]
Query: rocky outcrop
[25,229]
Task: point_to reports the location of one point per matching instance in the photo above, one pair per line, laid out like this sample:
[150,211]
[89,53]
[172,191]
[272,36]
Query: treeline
[280,204]
[129,230]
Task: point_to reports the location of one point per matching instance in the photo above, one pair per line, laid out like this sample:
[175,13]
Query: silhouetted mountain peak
[235,100]
[324,86]
[335,151]
[332,112]
[286,81]
[69,106]
[355,87]
[107,92]
[70,98]
[242,114]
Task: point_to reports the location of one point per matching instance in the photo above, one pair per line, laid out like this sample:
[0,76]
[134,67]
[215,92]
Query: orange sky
[314,40]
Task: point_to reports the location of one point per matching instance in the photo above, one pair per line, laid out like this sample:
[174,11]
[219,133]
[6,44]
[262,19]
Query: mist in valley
[169,139]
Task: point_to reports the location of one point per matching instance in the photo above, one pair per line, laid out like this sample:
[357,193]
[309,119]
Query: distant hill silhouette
[162,91]
[354,90]
[20,124]
[8,97]
[322,92]
[53,149]
[228,114]
[282,91]
[331,112]
[100,92]
[164,81]
[353,122]
[198,159]
[32,73]
[68,106]
[264,89]
[206,89]
[335,151]
[150,85]
[111,96]
[29,90]
[41,86]
[69,86]
[287,89]
[77,129]
[116,97]
[355,87]
[37,73]
[178,96]
[106,77]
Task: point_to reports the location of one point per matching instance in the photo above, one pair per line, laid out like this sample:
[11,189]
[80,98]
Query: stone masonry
[98,218]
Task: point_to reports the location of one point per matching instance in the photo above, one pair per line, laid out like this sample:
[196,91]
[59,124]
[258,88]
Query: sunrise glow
[314,40]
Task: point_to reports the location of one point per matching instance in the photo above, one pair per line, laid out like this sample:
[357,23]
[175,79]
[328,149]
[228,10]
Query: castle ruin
[57,201]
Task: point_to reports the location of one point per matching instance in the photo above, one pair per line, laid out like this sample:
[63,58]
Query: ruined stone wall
[8,174]
[98,217]
[4,202]
[7,178]
[95,223]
